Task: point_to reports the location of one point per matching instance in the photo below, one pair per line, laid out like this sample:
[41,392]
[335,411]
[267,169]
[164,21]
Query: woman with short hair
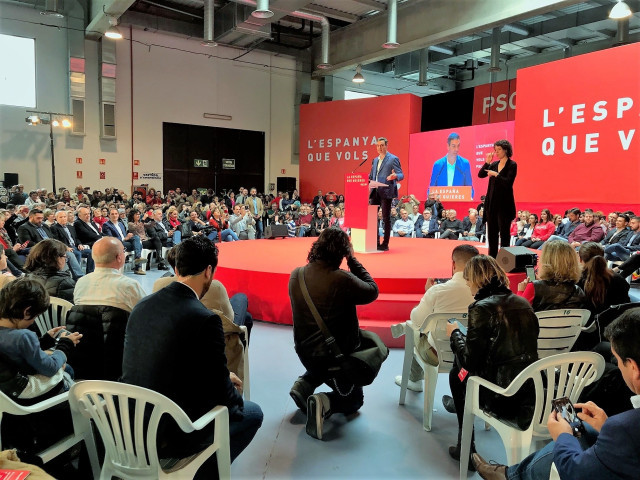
[46,262]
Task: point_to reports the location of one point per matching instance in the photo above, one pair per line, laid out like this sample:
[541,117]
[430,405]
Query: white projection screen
[17,71]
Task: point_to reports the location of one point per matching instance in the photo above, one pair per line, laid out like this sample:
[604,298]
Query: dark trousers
[498,226]
[630,265]
[385,204]
[344,397]
[154,244]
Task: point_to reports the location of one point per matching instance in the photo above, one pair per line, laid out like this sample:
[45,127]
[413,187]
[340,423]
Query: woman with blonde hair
[556,285]
[502,339]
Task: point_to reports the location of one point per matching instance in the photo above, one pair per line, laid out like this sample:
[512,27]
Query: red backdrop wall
[577,136]
[336,136]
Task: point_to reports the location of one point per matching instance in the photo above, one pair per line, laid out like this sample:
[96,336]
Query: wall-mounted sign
[136,162]
[151,176]
[103,175]
[78,173]
[135,175]
[102,161]
[78,160]
[200,163]
[228,163]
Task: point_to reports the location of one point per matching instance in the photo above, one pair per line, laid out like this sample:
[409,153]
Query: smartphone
[463,329]
[566,410]
[531,273]
[61,331]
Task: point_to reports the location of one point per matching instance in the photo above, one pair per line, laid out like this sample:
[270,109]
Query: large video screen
[447,161]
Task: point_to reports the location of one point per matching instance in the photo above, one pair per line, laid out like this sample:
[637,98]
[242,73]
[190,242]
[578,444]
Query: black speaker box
[276,231]
[515,259]
[10,179]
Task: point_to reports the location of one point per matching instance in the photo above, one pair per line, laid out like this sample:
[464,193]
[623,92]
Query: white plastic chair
[131,453]
[436,323]
[82,429]
[553,474]
[564,375]
[559,330]
[55,315]
[148,254]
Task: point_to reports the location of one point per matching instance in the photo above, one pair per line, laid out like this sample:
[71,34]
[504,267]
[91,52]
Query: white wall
[169,85]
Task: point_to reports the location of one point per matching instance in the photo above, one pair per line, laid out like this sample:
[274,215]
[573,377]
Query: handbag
[360,367]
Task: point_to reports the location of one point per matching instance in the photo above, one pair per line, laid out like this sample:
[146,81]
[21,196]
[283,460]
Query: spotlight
[620,11]
[55,123]
[65,123]
[32,119]
[358,78]
[113,31]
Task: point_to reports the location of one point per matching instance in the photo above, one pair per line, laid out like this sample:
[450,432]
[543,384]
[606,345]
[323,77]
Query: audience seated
[66,233]
[221,226]
[451,227]
[137,227]
[32,369]
[588,231]
[527,230]
[45,262]
[556,285]
[622,251]
[502,339]
[242,223]
[568,226]
[174,320]
[618,234]
[338,219]
[541,232]
[434,204]
[610,447]
[5,274]
[87,231]
[11,250]
[403,226]
[472,227]
[107,285]
[318,223]
[452,296]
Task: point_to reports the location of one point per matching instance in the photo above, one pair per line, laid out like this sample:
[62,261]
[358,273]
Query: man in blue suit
[452,170]
[132,243]
[386,169]
[613,443]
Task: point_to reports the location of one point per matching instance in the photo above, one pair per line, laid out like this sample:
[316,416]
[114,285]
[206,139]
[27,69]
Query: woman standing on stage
[499,205]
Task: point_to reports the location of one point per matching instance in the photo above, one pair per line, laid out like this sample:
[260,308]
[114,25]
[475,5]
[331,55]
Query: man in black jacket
[88,231]
[175,346]
[66,233]
[35,230]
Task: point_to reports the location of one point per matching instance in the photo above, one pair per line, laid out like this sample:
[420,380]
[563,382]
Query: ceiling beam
[332,13]
[373,4]
[362,41]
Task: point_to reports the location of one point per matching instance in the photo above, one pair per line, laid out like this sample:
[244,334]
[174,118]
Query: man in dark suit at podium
[386,169]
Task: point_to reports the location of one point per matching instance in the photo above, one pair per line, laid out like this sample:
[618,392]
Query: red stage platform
[261,269]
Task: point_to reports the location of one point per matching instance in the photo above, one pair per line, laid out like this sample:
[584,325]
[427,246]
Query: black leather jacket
[555,296]
[501,341]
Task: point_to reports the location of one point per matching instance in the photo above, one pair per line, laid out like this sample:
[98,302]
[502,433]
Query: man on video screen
[452,170]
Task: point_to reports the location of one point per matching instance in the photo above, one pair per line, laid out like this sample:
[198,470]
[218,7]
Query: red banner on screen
[427,160]
[578,129]
[335,137]
[494,102]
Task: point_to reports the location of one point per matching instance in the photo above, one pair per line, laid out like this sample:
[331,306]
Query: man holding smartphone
[614,443]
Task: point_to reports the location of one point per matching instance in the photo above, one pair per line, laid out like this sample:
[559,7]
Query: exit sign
[200,163]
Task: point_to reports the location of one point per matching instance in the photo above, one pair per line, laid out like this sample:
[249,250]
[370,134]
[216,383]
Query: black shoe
[454,452]
[162,266]
[318,408]
[449,404]
[383,248]
[300,392]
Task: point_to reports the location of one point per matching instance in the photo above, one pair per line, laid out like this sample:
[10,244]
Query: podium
[361,217]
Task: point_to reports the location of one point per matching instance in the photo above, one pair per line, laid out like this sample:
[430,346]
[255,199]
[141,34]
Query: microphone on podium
[361,163]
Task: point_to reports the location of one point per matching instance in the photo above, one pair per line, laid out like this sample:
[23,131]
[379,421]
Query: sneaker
[411,385]
[448,404]
[318,408]
[383,248]
[300,392]
[162,266]
[139,271]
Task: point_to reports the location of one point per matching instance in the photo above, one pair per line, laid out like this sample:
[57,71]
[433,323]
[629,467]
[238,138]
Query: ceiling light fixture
[51,9]
[358,78]
[113,31]
[620,10]
[262,10]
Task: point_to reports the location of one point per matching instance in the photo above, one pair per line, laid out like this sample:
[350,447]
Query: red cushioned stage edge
[261,270]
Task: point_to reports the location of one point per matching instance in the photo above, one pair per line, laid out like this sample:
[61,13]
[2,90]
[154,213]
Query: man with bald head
[107,285]
[66,233]
[88,231]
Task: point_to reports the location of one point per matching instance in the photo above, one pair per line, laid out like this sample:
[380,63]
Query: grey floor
[385,440]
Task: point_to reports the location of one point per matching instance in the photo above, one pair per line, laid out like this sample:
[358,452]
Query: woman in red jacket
[221,225]
[542,231]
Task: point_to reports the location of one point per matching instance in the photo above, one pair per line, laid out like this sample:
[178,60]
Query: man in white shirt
[453,296]
[403,226]
[107,285]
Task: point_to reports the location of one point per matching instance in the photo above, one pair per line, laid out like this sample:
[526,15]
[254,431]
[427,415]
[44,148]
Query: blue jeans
[537,466]
[74,266]
[303,231]
[86,253]
[616,252]
[228,235]
[241,316]
[553,237]
[133,245]
[177,237]
[259,228]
